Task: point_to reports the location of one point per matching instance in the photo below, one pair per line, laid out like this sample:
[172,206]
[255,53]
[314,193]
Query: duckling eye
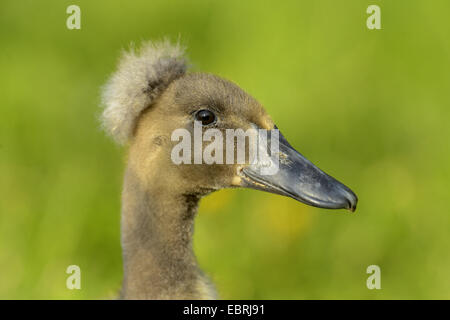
[205,117]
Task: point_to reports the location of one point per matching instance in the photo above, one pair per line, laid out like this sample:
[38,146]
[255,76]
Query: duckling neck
[157,228]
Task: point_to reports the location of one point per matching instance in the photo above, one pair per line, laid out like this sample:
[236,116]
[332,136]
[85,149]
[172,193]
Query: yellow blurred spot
[284,218]
[393,182]
[217,200]
[12,266]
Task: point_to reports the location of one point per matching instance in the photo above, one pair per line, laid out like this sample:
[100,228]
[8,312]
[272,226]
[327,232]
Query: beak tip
[351,202]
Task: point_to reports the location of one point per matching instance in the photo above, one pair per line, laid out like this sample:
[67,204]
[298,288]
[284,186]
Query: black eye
[205,117]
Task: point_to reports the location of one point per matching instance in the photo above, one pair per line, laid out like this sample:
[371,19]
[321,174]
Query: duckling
[149,96]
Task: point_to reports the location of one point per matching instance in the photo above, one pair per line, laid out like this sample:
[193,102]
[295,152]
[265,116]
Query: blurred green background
[370,107]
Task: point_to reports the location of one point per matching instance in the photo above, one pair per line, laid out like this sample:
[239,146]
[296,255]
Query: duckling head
[173,120]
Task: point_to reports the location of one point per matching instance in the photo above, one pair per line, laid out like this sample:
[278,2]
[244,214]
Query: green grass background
[370,107]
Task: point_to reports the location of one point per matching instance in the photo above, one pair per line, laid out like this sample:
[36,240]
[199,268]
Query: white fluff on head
[142,75]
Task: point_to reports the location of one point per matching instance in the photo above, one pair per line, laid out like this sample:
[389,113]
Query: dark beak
[298,178]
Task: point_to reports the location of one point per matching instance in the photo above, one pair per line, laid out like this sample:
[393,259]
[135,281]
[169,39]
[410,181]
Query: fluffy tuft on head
[142,75]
